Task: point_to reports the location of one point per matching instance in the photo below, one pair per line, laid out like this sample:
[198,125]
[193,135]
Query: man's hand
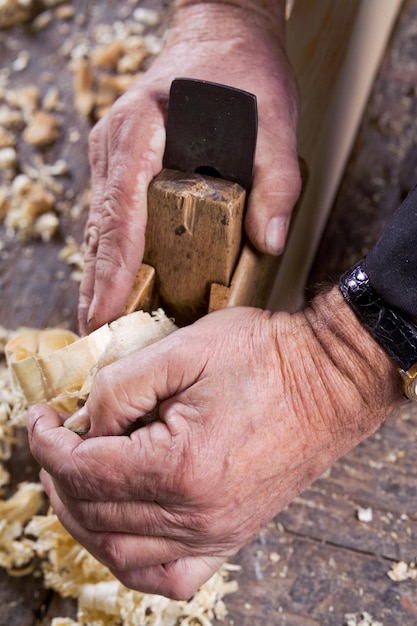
[252,406]
[238,44]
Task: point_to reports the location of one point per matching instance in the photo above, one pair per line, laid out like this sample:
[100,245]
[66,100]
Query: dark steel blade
[211,129]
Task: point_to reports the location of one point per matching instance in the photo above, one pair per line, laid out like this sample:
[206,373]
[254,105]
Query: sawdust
[102,64]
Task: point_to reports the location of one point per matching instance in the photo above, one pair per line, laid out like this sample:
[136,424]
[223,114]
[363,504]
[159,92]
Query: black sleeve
[392,263]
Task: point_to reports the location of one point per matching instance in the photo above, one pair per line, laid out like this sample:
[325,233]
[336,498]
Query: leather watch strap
[393,330]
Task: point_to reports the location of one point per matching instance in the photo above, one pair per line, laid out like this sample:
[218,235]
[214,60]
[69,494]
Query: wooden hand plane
[196,257]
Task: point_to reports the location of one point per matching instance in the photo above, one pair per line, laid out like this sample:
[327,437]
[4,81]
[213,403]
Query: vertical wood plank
[335,48]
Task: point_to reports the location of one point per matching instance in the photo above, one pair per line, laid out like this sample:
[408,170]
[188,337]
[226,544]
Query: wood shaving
[27,537]
[114,51]
[14,12]
[403,571]
[73,254]
[363,619]
[102,600]
[7,138]
[364,514]
[16,551]
[30,205]
[83,86]
[42,130]
[8,158]
[58,367]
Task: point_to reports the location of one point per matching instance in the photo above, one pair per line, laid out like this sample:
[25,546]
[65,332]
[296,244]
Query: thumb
[276,188]
[125,393]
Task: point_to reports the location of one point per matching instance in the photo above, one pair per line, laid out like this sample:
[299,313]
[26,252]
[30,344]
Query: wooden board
[316,562]
[336,49]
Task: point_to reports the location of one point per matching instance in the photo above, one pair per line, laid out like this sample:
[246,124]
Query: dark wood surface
[316,562]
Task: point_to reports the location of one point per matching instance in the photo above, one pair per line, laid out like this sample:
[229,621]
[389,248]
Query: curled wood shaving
[57,367]
[16,551]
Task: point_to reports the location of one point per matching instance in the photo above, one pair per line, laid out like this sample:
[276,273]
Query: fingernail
[276,233]
[79,422]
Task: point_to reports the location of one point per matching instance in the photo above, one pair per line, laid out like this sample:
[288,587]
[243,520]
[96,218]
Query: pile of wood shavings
[72,571]
[31,194]
[27,191]
[107,61]
[13,12]
[102,65]
[11,412]
[67,567]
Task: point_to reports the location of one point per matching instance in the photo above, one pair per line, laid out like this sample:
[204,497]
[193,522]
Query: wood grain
[193,239]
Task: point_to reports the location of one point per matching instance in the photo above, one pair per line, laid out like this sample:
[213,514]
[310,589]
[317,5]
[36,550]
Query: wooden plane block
[193,238]
[143,290]
[251,283]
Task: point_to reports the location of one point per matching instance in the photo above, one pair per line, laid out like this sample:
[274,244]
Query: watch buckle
[409,379]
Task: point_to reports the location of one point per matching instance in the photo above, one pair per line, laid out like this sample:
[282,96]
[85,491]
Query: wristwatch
[382,291]
[389,327]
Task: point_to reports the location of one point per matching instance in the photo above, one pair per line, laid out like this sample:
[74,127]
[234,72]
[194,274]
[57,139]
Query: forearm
[367,386]
[267,16]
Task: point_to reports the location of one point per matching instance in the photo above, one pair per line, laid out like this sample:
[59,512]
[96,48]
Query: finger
[44,419]
[133,161]
[98,165]
[276,188]
[119,550]
[135,517]
[178,580]
[110,468]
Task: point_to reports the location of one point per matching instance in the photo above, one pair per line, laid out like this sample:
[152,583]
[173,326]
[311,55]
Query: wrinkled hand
[211,41]
[253,407]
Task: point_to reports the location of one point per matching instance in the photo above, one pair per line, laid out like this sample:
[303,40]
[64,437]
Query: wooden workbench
[316,562]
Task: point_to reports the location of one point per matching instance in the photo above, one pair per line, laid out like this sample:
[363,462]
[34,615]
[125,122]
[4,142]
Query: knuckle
[117,204]
[103,380]
[119,122]
[111,553]
[201,525]
[91,237]
[88,515]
